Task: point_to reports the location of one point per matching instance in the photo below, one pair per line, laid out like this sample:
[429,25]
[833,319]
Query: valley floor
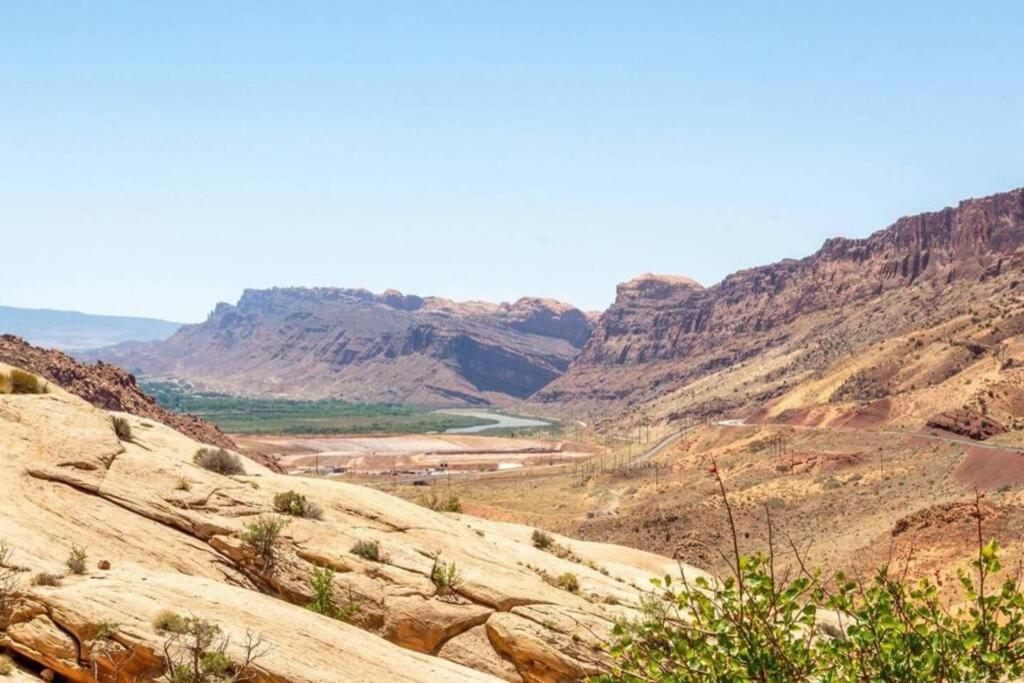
[848,499]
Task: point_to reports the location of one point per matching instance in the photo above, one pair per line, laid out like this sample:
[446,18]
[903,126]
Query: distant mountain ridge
[74,331]
[360,346]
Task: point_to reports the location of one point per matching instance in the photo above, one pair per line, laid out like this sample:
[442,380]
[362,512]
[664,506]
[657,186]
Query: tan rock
[66,479]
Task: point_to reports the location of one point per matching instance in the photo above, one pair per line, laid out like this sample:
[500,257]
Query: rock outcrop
[105,386]
[360,346]
[668,335]
[161,533]
[967,423]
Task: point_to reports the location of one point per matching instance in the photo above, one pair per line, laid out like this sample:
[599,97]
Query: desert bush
[122,428]
[170,621]
[569,582]
[197,653]
[77,559]
[46,579]
[5,383]
[6,665]
[369,550]
[296,505]
[219,460]
[322,585]
[448,503]
[22,382]
[541,539]
[260,535]
[756,626]
[445,576]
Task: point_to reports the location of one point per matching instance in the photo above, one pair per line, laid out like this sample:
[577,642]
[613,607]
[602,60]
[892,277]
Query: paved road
[661,445]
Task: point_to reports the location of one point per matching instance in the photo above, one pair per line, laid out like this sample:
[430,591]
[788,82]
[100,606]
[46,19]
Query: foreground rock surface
[170,533]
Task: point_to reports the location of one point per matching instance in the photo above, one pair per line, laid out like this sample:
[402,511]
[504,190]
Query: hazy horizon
[159,159]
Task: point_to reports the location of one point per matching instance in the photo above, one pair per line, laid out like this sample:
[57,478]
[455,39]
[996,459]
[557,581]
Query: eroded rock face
[363,346]
[663,332]
[173,534]
[967,423]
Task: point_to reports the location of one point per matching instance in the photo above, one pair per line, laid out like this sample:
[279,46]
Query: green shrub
[77,559]
[22,382]
[445,576]
[219,460]
[122,428]
[260,535]
[569,582]
[46,579]
[322,585]
[296,505]
[197,653]
[541,539]
[755,625]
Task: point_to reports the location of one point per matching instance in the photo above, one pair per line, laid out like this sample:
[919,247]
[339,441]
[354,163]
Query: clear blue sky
[156,157]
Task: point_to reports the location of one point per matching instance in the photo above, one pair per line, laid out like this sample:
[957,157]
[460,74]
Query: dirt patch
[819,463]
[990,468]
[874,414]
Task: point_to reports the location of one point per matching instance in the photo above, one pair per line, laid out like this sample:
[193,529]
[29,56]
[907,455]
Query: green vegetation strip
[240,415]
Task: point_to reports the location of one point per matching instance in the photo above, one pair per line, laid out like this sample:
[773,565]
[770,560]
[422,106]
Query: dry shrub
[219,460]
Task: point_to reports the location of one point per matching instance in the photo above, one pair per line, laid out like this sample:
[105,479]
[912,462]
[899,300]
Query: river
[498,421]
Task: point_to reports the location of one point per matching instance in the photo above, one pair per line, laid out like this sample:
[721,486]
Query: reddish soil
[990,468]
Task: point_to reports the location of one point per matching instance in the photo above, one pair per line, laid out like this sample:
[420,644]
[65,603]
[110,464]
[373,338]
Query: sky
[156,158]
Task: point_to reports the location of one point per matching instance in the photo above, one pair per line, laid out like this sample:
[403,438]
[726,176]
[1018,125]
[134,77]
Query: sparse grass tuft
[46,579]
[569,582]
[449,503]
[171,622]
[369,550]
[219,460]
[22,382]
[296,505]
[122,428]
[541,539]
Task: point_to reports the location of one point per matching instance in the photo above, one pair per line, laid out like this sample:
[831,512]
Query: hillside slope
[104,386]
[73,331]
[163,534]
[360,346]
[942,291]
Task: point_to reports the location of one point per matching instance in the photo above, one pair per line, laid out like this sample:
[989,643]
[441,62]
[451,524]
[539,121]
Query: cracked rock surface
[171,533]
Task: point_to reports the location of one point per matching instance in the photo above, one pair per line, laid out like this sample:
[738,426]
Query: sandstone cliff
[361,346]
[161,534]
[748,339]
